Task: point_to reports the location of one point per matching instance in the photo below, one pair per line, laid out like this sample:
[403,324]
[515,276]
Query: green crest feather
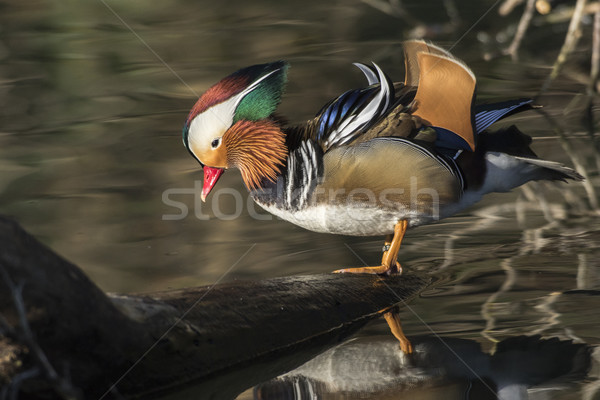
[262,101]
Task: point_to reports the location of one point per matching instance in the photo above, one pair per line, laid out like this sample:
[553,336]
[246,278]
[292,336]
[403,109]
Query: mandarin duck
[375,160]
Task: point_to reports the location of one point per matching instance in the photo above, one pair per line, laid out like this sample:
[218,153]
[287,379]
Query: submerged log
[62,337]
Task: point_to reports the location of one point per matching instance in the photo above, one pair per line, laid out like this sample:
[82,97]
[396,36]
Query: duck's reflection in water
[439,368]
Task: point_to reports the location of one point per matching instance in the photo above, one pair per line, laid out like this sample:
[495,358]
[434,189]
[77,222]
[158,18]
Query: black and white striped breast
[297,181]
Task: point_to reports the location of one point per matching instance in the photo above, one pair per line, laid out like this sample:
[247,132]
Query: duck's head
[231,126]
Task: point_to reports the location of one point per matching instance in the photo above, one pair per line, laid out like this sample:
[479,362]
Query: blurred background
[94,94]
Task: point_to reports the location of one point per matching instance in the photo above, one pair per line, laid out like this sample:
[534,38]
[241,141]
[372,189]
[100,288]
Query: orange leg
[393,320]
[389,263]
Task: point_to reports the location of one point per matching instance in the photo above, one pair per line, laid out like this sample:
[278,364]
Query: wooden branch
[214,341]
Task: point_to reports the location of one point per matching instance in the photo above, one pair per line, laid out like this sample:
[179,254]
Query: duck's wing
[353,113]
[445,94]
[434,103]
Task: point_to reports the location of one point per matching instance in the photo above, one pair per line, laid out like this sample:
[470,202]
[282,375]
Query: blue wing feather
[346,105]
[350,102]
[487,114]
[353,112]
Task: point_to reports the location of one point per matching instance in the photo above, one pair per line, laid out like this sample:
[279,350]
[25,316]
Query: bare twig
[513,49]
[12,390]
[595,67]
[565,14]
[573,35]
[25,336]
[507,7]
[592,88]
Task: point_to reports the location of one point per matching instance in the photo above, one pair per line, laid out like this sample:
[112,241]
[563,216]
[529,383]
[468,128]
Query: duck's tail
[551,170]
[510,162]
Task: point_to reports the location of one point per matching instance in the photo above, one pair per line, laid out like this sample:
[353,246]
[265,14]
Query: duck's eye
[215,143]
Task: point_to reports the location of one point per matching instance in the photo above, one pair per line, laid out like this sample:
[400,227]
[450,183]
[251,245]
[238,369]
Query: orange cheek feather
[213,158]
[257,148]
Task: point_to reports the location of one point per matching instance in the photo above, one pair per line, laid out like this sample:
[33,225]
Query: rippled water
[92,101]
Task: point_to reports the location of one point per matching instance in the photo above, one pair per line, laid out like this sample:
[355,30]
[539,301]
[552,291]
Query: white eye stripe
[211,124]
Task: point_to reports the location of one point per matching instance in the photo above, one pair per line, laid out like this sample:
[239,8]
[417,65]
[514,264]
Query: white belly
[351,221]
